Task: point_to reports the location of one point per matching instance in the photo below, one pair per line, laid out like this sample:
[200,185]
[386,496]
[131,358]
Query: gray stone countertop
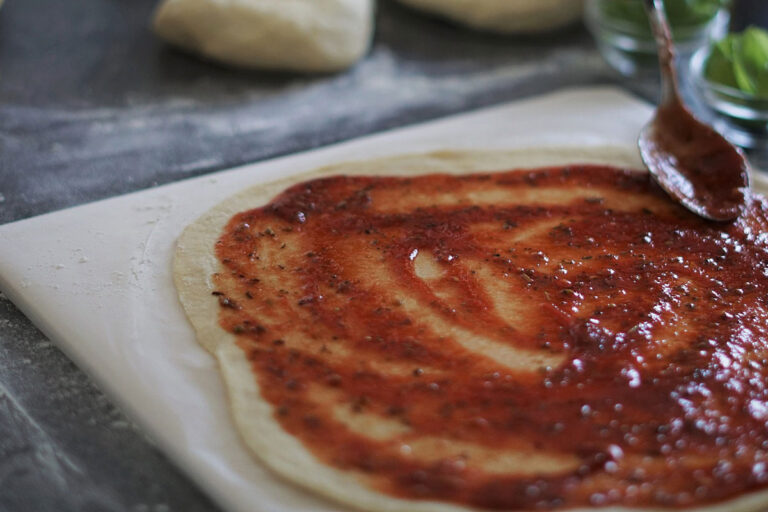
[92,105]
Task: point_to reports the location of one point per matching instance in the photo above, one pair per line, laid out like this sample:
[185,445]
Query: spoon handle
[666,47]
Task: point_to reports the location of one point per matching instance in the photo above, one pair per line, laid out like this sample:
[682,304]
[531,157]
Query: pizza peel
[96,279]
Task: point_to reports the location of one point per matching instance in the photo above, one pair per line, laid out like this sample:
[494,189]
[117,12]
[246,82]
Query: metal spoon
[693,163]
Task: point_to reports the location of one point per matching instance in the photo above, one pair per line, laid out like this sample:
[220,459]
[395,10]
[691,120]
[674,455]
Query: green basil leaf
[719,65]
[740,73]
[754,55]
[681,13]
[692,12]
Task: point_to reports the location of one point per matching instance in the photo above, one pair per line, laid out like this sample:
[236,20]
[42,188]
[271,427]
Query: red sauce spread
[537,339]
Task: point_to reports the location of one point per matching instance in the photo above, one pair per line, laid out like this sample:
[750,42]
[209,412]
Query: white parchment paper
[96,279]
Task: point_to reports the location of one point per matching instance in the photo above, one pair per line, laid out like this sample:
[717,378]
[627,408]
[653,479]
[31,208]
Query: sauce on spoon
[693,163]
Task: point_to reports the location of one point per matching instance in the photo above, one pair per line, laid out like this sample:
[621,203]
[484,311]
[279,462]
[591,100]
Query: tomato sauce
[569,312]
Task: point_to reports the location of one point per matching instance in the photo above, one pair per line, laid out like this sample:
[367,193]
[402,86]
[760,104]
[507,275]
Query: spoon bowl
[693,163]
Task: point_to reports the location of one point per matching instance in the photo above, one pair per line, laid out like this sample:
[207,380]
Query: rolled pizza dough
[505,16]
[297,35]
[195,263]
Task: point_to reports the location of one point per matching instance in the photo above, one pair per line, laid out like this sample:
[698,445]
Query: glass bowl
[740,117]
[630,48]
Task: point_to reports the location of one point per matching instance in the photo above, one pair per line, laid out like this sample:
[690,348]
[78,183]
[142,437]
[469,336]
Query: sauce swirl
[537,339]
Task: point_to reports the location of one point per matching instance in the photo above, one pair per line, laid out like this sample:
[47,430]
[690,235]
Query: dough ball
[298,35]
[505,16]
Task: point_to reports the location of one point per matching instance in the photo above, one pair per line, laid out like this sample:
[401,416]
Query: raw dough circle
[195,262]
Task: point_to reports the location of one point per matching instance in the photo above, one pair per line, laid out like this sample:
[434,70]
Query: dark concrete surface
[92,105]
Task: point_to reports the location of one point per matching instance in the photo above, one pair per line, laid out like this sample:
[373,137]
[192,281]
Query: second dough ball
[298,35]
[505,16]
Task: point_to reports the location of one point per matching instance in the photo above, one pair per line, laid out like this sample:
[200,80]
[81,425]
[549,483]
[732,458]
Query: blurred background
[93,104]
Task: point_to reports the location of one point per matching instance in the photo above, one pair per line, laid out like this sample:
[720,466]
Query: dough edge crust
[194,263]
